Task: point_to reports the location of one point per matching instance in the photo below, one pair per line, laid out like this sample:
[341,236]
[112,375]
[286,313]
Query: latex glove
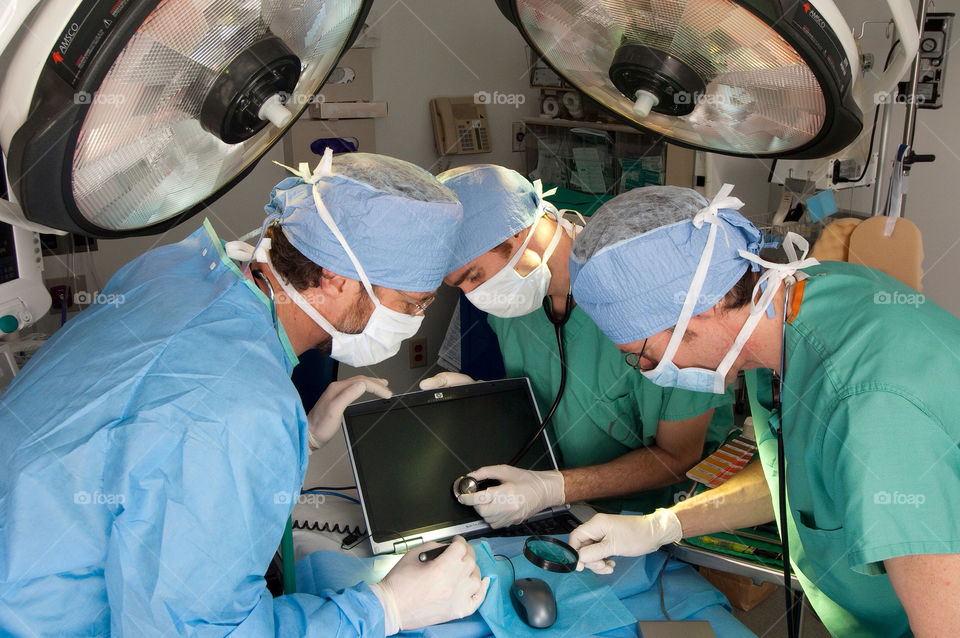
[521,494]
[445,380]
[416,594]
[614,535]
[325,417]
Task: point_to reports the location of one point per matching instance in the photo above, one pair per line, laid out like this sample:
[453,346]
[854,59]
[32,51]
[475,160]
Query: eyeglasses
[421,306]
[633,358]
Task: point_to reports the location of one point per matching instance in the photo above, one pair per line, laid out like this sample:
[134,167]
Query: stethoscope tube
[793,600]
[558,324]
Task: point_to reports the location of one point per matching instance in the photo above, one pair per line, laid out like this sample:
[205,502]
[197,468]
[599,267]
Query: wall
[932,200]
[447,48]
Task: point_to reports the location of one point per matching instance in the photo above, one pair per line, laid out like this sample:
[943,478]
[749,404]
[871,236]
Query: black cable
[509,562]
[663,605]
[558,326]
[873,133]
[332,489]
[793,618]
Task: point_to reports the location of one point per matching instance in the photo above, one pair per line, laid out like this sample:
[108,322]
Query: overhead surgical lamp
[758,78]
[125,117]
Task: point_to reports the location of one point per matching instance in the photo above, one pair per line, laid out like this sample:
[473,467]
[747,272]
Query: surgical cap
[633,263]
[397,218]
[497,204]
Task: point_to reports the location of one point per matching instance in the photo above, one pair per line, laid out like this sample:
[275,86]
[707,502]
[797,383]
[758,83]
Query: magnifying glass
[550,554]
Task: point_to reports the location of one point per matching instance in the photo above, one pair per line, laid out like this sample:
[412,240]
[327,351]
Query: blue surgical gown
[150,454]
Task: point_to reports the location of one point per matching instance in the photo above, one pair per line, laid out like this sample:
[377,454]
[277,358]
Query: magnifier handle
[430,554]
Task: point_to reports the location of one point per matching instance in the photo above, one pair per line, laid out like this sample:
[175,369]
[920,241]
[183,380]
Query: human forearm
[636,471]
[742,501]
[678,447]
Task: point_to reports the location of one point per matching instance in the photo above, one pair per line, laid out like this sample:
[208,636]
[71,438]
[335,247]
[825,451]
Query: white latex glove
[615,535]
[416,594]
[325,417]
[521,494]
[445,380]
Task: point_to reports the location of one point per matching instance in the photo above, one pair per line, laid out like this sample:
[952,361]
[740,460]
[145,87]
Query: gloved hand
[325,417]
[416,594]
[445,380]
[614,535]
[521,494]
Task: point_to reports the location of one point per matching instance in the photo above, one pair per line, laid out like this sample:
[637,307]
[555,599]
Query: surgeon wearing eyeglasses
[862,393]
[152,450]
[624,442]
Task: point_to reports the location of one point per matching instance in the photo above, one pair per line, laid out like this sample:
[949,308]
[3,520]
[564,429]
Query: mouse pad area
[585,606]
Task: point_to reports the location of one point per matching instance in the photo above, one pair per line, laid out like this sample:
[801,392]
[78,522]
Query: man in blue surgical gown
[152,451]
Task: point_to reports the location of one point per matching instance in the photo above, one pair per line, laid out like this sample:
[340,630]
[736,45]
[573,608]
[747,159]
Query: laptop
[408,450]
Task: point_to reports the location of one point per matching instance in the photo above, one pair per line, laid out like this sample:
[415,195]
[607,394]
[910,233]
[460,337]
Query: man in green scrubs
[622,440]
[869,417]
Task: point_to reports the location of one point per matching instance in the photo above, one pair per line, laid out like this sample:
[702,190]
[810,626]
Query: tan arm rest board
[834,241]
[900,255]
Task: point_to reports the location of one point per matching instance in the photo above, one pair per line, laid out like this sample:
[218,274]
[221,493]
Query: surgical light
[125,118]
[760,78]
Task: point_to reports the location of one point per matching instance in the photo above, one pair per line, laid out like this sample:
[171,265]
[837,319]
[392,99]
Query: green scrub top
[871,428]
[608,408]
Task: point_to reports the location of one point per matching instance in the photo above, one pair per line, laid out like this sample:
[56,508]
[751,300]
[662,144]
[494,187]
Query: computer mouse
[533,600]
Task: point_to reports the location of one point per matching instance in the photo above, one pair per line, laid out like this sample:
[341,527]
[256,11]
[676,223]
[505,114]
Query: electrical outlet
[519,132]
[418,352]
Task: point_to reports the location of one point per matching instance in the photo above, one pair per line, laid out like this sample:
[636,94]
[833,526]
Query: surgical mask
[384,331]
[667,374]
[509,294]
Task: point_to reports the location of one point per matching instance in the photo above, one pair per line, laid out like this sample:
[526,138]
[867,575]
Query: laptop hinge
[406,544]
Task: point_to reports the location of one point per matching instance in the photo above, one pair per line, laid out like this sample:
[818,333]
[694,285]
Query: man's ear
[333,286]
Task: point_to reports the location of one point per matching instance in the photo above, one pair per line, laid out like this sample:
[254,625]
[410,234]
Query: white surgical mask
[507,293]
[667,374]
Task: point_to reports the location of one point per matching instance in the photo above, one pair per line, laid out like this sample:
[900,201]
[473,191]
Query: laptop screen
[407,451]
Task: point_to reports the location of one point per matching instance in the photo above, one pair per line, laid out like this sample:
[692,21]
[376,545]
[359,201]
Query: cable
[663,606]
[558,327]
[513,569]
[793,619]
[331,489]
[873,132]
[327,493]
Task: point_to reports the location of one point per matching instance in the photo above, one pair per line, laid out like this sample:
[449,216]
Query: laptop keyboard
[556,525]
